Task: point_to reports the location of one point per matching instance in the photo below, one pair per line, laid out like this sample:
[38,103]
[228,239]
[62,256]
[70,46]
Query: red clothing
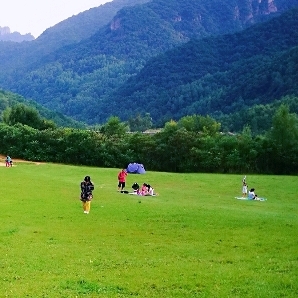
[122,176]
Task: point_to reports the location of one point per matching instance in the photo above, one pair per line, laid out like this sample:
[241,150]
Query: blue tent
[135,168]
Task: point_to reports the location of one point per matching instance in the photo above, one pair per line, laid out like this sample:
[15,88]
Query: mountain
[7,35]
[93,78]
[217,75]
[67,32]
[83,25]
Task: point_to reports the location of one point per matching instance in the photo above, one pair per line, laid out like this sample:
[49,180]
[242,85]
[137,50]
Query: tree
[247,151]
[25,115]
[140,123]
[197,123]
[284,141]
[114,127]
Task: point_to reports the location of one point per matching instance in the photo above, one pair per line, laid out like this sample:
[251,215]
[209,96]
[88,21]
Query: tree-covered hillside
[219,74]
[85,24]
[9,100]
[81,79]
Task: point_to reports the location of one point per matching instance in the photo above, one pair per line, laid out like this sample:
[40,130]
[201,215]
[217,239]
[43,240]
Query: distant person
[147,190]
[252,195]
[122,179]
[136,188]
[151,190]
[8,161]
[86,193]
[144,190]
[244,189]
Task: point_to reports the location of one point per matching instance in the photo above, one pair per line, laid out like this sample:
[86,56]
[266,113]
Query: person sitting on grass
[147,190]
[252,195]
[150,190]
[136,188]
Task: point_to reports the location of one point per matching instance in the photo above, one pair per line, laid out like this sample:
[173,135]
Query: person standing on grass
[86,193]
[244,189]
[121,179]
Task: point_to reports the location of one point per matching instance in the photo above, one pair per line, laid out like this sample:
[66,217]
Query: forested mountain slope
[81,79]
[85,24]
[219,74]
[8,100]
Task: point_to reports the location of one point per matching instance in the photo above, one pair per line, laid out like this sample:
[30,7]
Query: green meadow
[192,240]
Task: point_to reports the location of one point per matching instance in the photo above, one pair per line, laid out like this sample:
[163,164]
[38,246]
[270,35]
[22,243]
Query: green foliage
[197,123]
[9,100]
[285,127]
[114,127]
[139,123]
[284,139]
[258,117]
[27,116]
[193,144]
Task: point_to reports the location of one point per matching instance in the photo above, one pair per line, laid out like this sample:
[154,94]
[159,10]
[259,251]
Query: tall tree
[139,123]
[25,115]
[114,127]
[284,140]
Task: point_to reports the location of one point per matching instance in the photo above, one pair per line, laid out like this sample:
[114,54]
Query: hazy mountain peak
[4,30]
[7,35]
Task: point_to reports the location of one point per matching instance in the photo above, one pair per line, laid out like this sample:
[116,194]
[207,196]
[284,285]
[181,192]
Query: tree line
[192,144]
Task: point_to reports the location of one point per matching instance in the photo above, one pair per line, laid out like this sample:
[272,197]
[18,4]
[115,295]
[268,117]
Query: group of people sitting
[145,190]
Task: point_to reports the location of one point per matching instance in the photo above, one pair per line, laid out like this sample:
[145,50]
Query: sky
[35,16]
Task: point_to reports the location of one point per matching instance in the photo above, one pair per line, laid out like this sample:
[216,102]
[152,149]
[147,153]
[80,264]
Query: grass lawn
[192,240]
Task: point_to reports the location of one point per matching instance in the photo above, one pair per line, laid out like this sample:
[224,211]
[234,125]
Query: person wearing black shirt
[86,193]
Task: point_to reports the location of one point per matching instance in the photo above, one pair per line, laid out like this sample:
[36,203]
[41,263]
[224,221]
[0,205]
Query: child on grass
[121,179]
[244,189]
[86,193]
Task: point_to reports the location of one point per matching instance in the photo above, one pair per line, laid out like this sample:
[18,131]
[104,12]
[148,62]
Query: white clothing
[251,195]
[244,189]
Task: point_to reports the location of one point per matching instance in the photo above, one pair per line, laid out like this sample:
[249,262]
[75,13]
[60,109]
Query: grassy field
[192,240]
